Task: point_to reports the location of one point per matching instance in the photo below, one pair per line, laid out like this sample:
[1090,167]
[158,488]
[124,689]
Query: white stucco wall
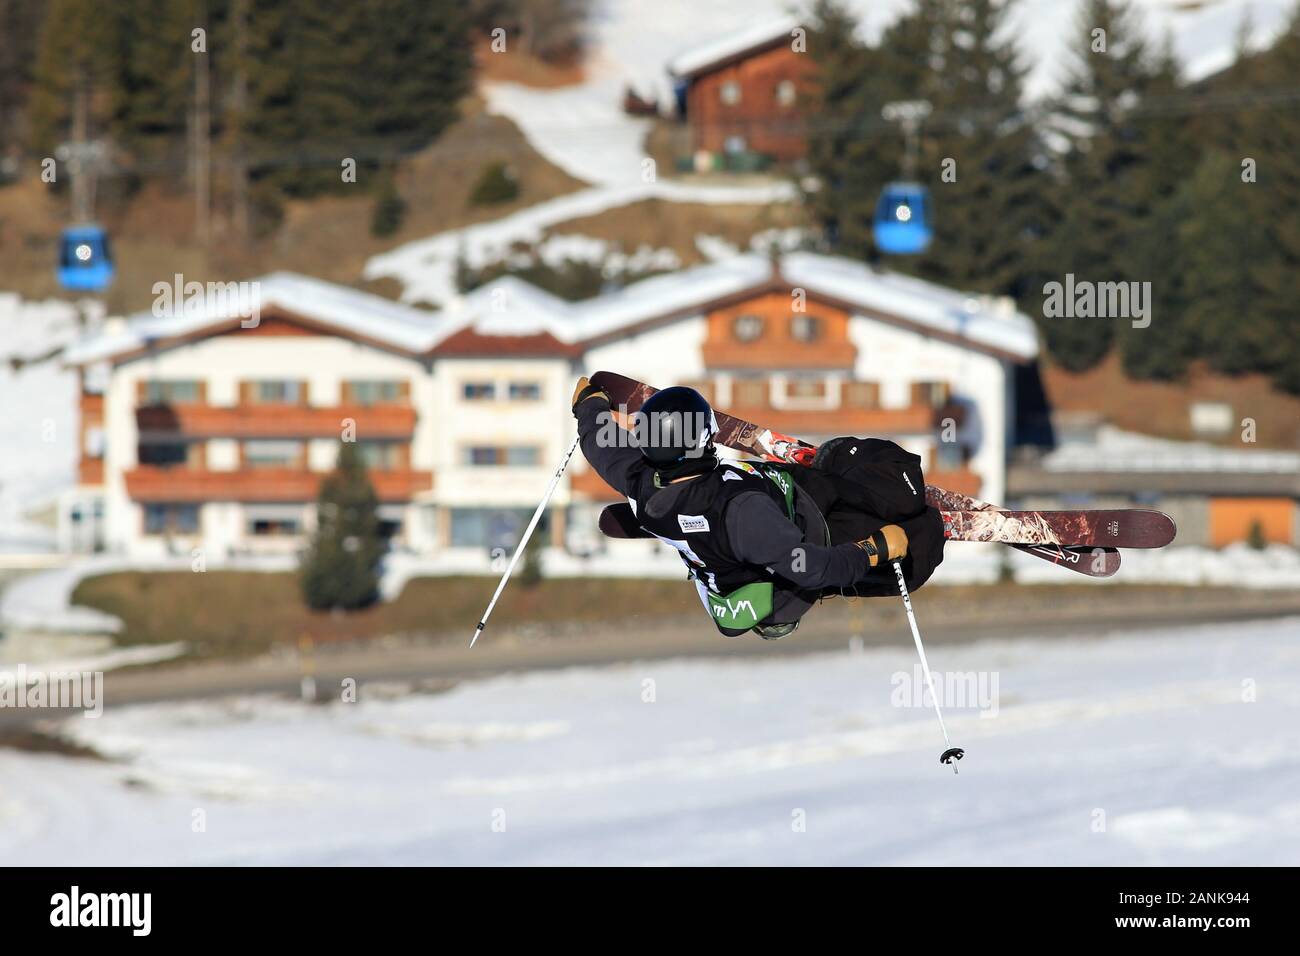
[461,423]
[222,362]
[897,357]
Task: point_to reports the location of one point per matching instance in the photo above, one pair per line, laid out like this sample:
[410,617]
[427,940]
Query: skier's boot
[774,632]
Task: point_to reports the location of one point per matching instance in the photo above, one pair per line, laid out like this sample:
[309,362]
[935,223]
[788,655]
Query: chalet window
[368,393]
[933,394]
[730,93]
[272,453]
[513,456]
[381,455]
[805,388]
[171,519]
[272,527]
[747,328]
[861,395]
[273,392]
[786,93]
[522,456]
[490,527]
[705,388]
[170,454]
[157,392]
[525,391]
[273,520]
[750,391]
[805,328]
[479,391]
[949,456]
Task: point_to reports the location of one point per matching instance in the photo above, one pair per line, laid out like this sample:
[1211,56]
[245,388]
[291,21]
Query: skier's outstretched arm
[761,534]
[612,460]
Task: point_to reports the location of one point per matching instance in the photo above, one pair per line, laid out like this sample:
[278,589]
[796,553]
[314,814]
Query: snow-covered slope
[582,130]
[1175,747]
[38,438]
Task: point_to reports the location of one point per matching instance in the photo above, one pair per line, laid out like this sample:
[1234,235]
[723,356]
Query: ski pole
[952,754]
[528,533]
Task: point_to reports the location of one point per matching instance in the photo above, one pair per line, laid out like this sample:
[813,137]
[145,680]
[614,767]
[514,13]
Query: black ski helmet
[674,426]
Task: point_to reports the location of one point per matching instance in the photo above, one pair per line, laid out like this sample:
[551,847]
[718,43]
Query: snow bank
[38,429]
[1172,747]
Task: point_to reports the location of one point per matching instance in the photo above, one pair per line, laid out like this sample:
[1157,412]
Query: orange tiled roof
[469,342]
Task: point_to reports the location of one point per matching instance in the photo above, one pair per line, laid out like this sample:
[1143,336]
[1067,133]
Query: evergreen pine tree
[988,210]
[1271,137]
[20,31]
[153,74]
[850,150]
[70,52]
[340,568]
[1098,234]
[390,207]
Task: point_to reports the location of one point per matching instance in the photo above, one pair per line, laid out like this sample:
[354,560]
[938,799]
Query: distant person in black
[763,541]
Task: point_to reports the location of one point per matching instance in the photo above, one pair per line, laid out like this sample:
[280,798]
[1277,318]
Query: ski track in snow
[1146,731]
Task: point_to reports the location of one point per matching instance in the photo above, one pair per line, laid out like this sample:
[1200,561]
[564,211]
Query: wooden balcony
[90,471]
[275,421]
[590,486]
[961,480]
[154,483]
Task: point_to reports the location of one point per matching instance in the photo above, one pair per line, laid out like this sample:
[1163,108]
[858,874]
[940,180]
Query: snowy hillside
[634,39]
[38,440]
[1128,749]
[582,130]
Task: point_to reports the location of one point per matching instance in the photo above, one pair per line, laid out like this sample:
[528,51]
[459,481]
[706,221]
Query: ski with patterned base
[1133,528]
[1119,528]
[627,395]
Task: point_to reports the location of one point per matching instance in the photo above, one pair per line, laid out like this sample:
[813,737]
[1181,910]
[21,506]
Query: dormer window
[805,328]
[747,328]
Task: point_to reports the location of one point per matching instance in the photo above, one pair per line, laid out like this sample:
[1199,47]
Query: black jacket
[731,525]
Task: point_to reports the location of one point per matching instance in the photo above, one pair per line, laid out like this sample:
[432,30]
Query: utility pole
[238,111]
[202,140]
[82,199]
[81,155]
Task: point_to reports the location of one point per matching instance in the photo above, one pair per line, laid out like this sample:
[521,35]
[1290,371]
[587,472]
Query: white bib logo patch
[691,523]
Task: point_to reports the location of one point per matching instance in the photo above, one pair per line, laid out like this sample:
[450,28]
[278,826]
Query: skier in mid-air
[763,541]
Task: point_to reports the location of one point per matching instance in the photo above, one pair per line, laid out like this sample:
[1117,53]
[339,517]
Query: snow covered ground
[1174,747]
[38,436]
[427,267]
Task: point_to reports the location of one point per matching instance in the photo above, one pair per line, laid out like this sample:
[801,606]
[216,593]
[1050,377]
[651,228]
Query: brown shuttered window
[861,395]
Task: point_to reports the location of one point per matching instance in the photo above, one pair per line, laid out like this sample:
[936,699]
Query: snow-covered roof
[1113,449]
[512,307]
[350,311]
[508,306]
[730,46]
[990,323]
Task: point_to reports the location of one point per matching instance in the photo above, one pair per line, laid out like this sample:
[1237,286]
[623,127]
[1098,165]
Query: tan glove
[887,544]
[583,391]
